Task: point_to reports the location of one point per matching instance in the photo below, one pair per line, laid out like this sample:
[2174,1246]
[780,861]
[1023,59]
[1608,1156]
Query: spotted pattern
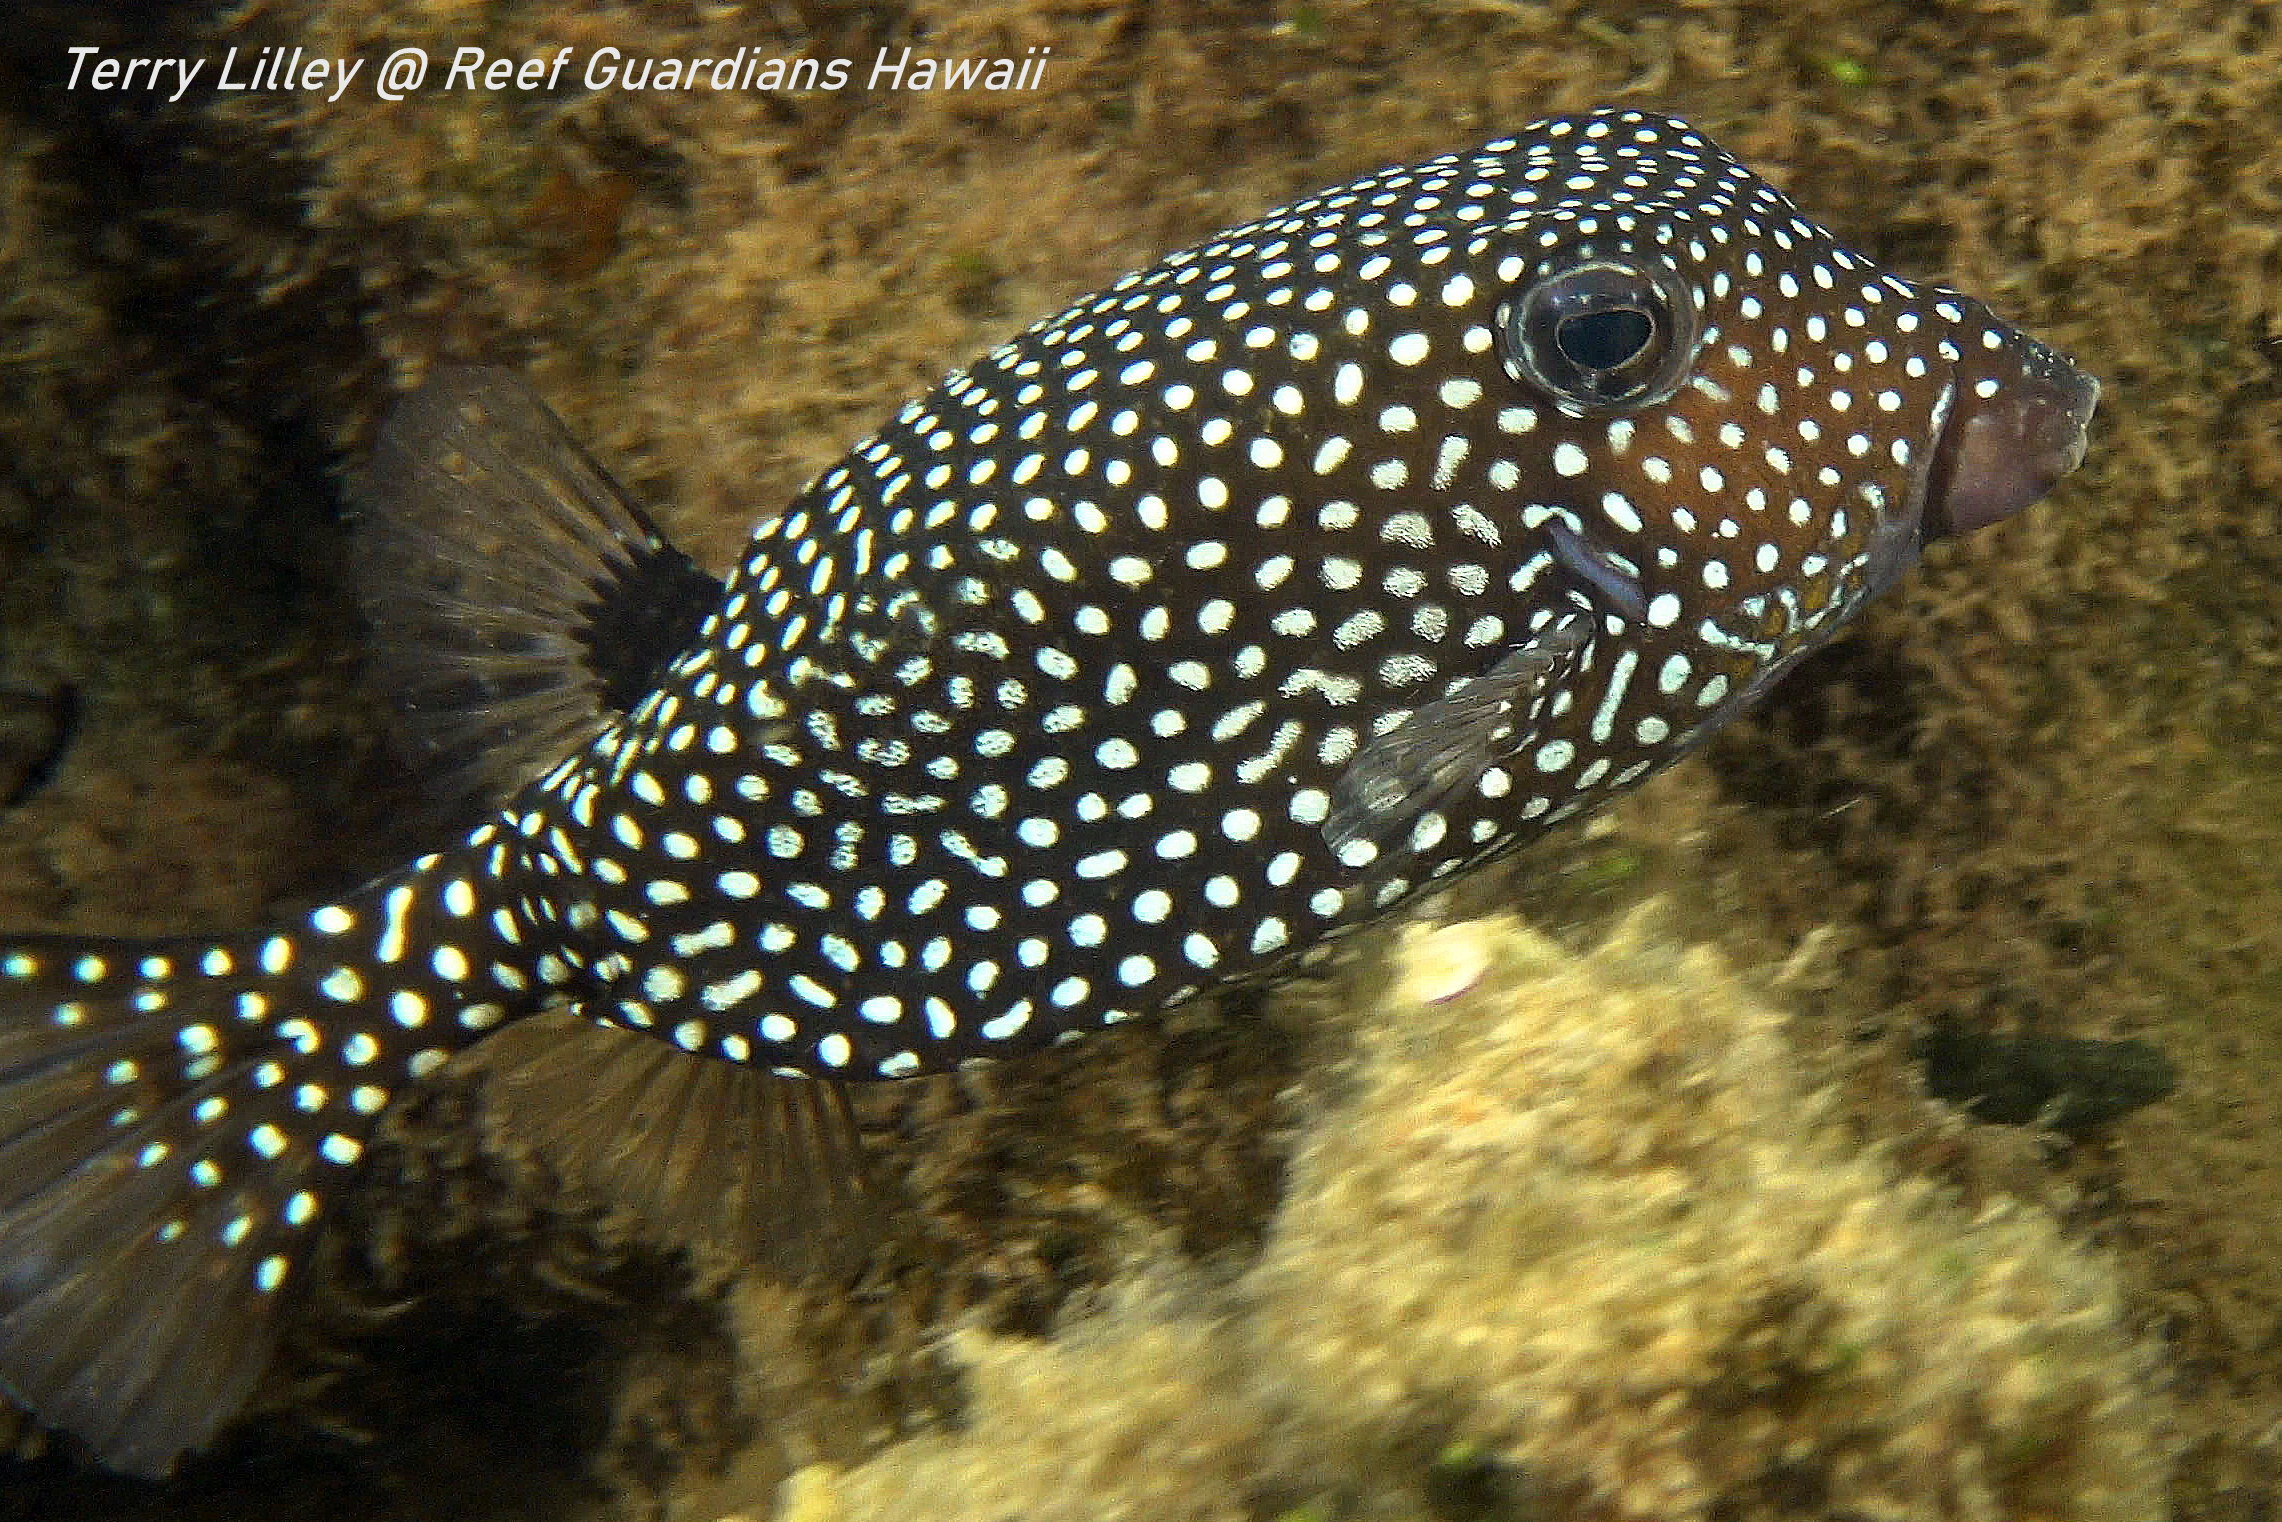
[1206,620]
[1030,715]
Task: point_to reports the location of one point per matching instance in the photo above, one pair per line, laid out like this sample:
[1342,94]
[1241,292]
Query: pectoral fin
[1444,746]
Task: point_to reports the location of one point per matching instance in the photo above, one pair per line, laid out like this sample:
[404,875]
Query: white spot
[1101,864]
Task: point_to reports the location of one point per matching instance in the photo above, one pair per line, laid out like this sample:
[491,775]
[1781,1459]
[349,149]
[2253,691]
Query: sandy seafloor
[1622,1229]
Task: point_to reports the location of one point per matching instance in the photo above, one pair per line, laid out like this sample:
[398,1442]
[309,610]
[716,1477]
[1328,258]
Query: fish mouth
[1994,455]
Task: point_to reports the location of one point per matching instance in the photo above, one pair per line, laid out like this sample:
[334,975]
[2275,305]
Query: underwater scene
[1457,760]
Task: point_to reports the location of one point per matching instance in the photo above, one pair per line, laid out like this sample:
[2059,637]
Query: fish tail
[175,1117]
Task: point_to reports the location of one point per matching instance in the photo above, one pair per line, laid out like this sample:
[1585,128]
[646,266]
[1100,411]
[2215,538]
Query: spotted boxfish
[1203,622]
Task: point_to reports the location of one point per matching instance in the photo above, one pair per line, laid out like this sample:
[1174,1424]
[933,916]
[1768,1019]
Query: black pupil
[1604,340]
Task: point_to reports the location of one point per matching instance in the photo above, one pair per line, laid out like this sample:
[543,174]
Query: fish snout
[1999,453]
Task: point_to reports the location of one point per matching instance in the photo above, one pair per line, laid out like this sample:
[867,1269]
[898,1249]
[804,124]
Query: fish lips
[1994,455]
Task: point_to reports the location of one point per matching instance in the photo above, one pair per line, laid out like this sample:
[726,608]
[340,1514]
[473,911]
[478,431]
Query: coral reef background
[2038,791]
[1569,1237]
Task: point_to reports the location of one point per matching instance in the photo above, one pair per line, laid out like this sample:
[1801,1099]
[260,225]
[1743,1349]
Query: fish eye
[1603,334]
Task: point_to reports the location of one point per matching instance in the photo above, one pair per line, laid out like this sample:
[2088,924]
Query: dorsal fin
[517,596]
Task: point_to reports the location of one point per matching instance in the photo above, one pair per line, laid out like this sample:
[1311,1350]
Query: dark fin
[766,1169]
[1445,746]
[517,596]
[159,1188]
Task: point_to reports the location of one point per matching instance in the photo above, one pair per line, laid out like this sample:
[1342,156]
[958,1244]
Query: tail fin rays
[160,1174]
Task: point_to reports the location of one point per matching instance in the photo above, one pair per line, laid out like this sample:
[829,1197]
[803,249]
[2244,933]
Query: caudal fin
[166,1149]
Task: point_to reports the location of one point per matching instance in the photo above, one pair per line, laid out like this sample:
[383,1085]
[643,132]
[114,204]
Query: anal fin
[718,1154]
